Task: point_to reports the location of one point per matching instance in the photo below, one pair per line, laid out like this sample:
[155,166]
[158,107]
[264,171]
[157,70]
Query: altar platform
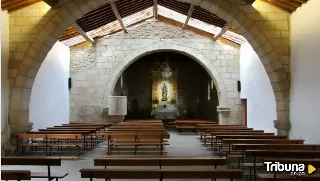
[165,110]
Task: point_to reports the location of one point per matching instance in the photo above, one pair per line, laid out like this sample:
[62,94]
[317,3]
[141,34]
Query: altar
[165,110]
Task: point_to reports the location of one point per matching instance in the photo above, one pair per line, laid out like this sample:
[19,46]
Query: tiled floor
[180,146]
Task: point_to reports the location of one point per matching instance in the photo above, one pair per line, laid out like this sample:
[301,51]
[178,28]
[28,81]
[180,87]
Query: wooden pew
[160,174]
[287,176]
[135,140]
[205,134]
[280,154]
[47,141]
[214,134]
[15,175]
[105,125]
[161,161]
[86,135]
[190,124]
[38,161]
[230,142]
[244,147]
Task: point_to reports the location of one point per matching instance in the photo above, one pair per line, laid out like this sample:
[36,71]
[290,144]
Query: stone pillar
[283,127]
[224,114]
[23,128]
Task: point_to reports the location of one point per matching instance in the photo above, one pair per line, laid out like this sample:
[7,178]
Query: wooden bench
[280,154]
[160,174]
[38,161]
[207,133]
[48,141]
[190,124]
[15,175]
[105,125]
[136,140]
[230,142]
[162,161]
[214,134]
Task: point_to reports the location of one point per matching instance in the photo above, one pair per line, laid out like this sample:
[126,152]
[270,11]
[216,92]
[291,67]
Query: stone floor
[180,145]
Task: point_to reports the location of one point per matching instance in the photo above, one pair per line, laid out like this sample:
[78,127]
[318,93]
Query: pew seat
[36,161]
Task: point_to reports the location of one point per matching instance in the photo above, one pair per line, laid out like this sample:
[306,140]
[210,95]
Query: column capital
[283,127]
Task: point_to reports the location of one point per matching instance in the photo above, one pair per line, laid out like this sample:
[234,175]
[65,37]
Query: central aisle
[186,145]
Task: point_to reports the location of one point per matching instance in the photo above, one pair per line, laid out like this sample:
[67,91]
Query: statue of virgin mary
[164,93]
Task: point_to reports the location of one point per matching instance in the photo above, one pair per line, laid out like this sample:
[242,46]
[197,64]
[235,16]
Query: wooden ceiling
[104,14]
[12,5]
[286,5]
[71,32]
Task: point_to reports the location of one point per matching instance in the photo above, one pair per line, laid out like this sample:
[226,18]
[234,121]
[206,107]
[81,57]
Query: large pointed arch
[63,16]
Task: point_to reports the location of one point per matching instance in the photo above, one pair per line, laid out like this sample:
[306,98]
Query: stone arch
[167,47]
[61,17]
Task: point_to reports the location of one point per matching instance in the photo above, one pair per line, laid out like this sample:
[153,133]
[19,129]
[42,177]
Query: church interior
[160,90]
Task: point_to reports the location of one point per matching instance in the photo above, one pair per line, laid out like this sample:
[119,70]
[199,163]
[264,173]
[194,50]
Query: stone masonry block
[20,81]
[277,16]
[91,4]
[23,20]
[32,73]
[82,6]
[269,58]
[64,13]
[278,75]
[231,14]
[285,60]
[29,82]
[272,33]
[15,29]
[215,6]
[16,93]
[282,25]
[23,70]
[257,16]
[224,9]
[73,8]
[22,46]
[266,47]
[205,4]
[276,42]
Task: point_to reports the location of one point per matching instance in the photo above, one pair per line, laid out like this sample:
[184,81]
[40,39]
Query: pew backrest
[15,175]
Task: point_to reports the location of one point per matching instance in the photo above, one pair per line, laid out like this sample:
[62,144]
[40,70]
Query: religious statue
[164,93]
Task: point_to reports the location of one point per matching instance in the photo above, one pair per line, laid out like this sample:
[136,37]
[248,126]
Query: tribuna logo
[294,169]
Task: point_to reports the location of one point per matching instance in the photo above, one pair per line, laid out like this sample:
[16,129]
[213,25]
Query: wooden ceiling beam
[189,16]
[16,4]
[281,5]
[116,12]
[155,9]
[223,30]
[300,1]
[84,34]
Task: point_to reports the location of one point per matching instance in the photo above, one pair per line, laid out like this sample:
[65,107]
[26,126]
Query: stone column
[224,114]
[283,127]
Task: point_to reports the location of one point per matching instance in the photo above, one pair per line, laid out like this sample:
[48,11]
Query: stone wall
[94,81]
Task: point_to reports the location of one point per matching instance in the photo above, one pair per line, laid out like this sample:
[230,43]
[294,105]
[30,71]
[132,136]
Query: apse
[170,83]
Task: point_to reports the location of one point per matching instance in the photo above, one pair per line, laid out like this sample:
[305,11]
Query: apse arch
[64,15]
[166,47]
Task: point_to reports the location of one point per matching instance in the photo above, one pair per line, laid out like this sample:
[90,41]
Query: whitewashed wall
[305,73]
[256,88]
[49,104]
[4,68]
